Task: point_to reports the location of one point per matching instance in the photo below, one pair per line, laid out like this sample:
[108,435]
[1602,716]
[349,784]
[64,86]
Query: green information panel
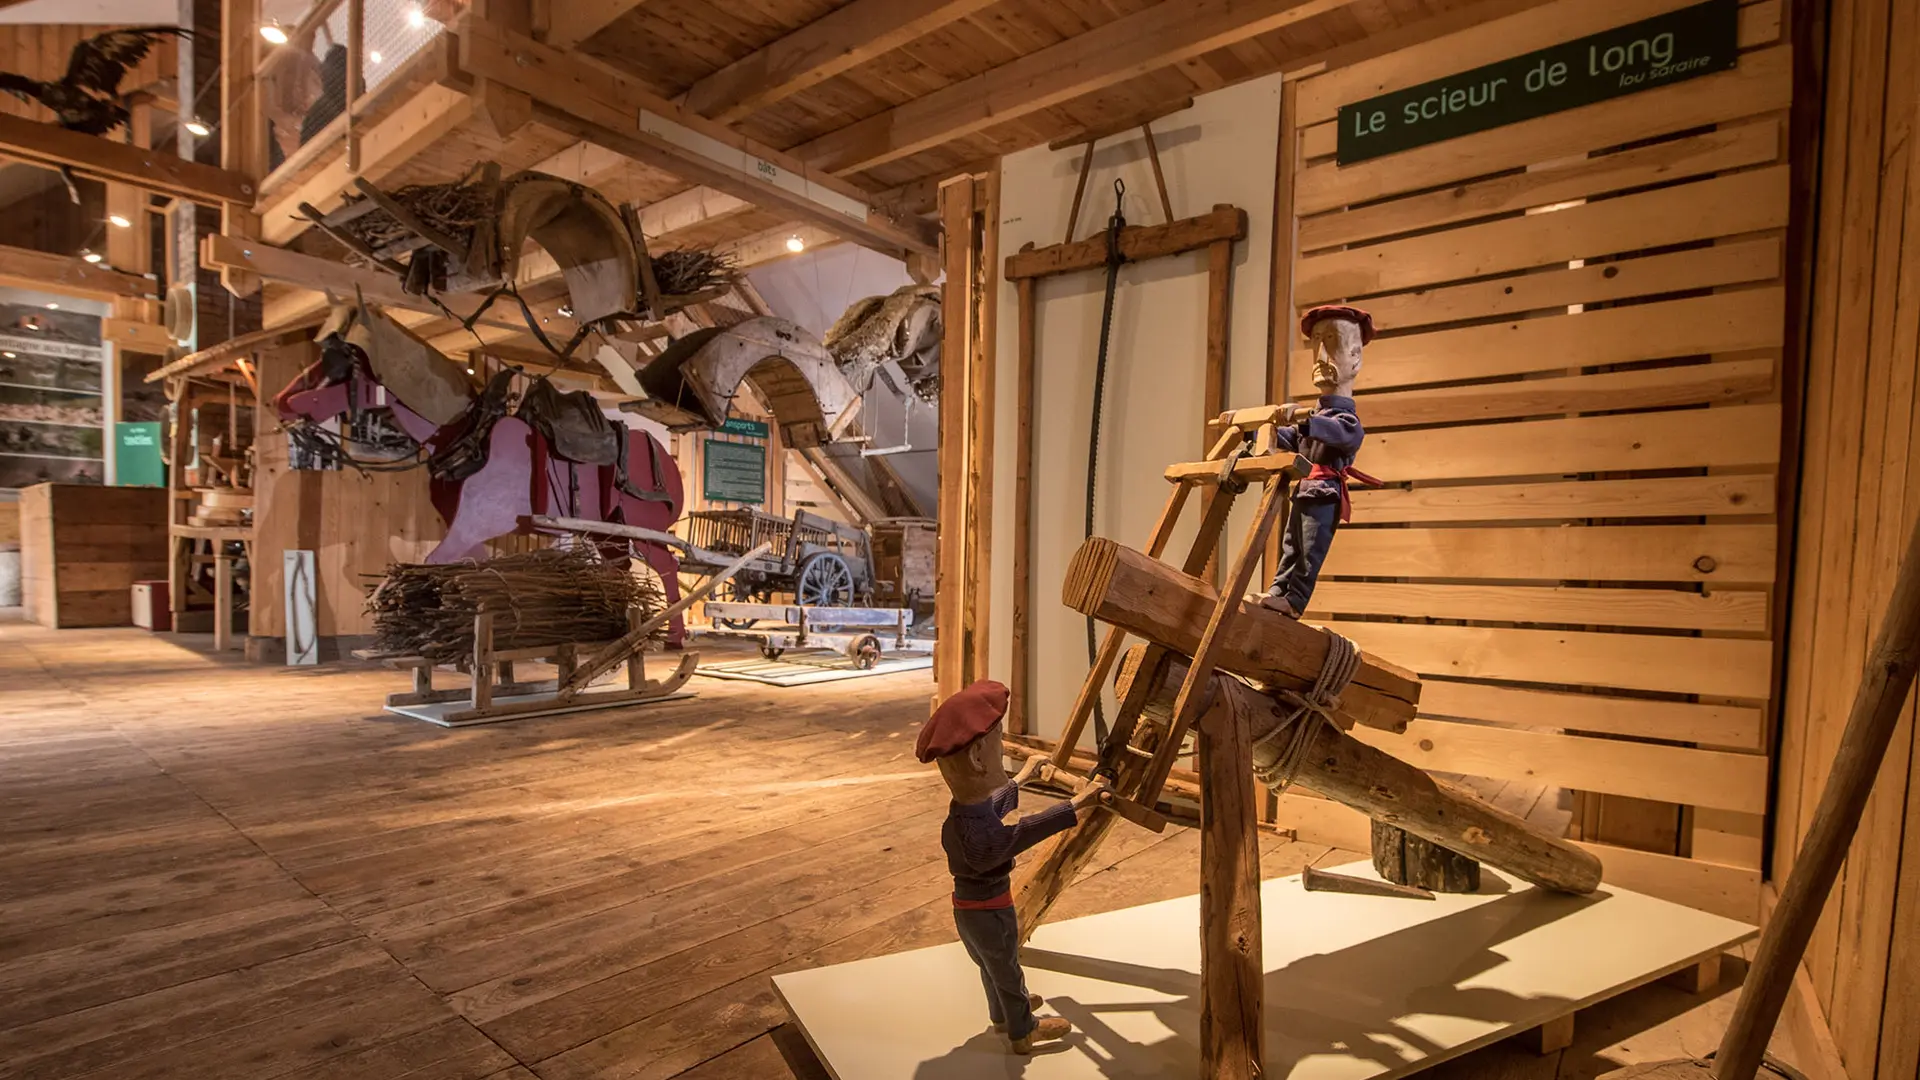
[736,426]
[734,472]
[1645,55]
[136,456]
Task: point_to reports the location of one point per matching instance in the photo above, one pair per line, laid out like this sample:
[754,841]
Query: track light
[119,221]
[795,244]
[197,126]
[90,256]
[274,32]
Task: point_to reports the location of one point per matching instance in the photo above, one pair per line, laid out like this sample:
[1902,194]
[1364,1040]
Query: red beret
[1337,311]
[961,719]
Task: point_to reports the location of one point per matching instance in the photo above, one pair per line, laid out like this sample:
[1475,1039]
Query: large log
[1387,789]
[1232,1027]
[1147,597]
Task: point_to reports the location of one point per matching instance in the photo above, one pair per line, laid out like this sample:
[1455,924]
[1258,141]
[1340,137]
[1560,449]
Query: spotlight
[416,18]
[53,307]
[197,126]
[274,33]
[565,310]
[469,371]
[795,244]
[374,56]
[9,355]
[119,221]
[90,256]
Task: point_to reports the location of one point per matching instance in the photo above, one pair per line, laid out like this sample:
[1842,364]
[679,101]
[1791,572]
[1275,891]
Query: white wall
[1220,151]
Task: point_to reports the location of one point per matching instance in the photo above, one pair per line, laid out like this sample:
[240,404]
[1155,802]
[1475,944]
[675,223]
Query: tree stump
[1405,859]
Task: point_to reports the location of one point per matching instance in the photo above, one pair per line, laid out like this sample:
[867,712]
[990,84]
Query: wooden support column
[502,108]
[130,250]
[984,290]
[953,657]
[1286,230]
[222,598]
[1232,1002]
[243,144]
[1020,677]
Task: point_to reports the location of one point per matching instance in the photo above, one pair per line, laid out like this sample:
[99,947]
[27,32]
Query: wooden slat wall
[1857,504]
[1575,400]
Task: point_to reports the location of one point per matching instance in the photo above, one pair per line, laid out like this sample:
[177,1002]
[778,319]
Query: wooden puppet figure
[964,736]
[1329,437]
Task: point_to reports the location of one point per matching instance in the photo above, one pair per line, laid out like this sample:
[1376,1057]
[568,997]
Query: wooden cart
[822,562]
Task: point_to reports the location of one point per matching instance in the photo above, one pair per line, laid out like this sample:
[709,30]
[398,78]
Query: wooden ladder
[1141,747]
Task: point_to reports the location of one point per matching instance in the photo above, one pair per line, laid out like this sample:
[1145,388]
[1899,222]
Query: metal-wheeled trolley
[863,634]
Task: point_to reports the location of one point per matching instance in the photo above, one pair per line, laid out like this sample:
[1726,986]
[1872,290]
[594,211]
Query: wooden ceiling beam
[771,245]
[24,268]
[816,52]
[50,146]
[1159,36]
[570,22]
[595,103]
[596,166]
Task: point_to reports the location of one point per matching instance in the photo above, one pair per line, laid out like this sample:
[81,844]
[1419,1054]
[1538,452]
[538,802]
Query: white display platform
[1357,986]
[806,669]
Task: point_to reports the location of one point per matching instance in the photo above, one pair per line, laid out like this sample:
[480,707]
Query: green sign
[136,456]
[1645,55]
[734,472]
[736,426]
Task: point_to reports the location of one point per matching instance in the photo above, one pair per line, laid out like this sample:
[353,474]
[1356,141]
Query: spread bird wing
[22,87]
[101,61]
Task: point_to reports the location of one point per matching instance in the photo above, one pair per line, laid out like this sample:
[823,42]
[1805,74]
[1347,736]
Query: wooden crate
[82,547]
[903,559]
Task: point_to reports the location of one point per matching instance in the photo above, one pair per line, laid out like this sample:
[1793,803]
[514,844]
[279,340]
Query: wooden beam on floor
[158,171]
[1160,36]
[837,42]
[597,104]
[27,269]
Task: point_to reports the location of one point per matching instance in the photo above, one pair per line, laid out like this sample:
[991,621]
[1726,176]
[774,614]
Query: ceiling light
[53,307]
[469,371]
[9,355]
[274,33]
[90,256]
[119,221]
[565,310]
[374,56]
[197,126]
[416,18]
[795,244]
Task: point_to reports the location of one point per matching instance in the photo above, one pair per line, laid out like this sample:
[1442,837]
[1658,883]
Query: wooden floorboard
[214,870]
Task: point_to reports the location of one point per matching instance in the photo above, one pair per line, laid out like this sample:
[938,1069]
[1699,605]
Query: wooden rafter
[234,349]
[50,146]
[1165,34]
[816,52]
[570,22]
[27,269]
[597,104]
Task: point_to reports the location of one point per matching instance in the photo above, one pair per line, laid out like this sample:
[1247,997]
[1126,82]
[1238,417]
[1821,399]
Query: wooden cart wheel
[739,592]
[824,580]
[771,652]
[865,652]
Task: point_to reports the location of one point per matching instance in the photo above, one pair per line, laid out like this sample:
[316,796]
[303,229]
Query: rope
[1295,734]
[1115,225]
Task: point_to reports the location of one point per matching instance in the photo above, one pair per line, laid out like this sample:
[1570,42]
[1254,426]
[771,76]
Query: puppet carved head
[1337,334]
[965,736]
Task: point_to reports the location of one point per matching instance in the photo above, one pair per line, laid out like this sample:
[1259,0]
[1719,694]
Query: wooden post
[482,673]
[243,144]
[1232,1009]
[1019,680]
[1285,232]
[222,597]
[978,567]
[1405,859]
[956,217]
[636,660]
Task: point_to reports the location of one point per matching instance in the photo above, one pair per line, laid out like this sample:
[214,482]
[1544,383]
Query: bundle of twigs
[455,209]
[544,597]
[683,272]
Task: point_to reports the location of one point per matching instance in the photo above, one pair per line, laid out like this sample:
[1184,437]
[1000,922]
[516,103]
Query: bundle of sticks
[455,209]
[544,597]
[686,271]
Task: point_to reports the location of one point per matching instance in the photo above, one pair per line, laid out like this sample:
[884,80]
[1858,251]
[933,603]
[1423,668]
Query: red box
[150,605]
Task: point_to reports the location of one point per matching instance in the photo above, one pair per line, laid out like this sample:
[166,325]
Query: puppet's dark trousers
[1303,548]
[992,938]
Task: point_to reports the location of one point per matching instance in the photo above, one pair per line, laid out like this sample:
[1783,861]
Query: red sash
[1340,477]
[992,903]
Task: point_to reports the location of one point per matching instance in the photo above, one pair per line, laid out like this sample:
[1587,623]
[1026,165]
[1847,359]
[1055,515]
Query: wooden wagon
[822,562]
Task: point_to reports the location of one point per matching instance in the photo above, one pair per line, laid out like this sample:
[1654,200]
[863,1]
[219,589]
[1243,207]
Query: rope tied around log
[1295,733]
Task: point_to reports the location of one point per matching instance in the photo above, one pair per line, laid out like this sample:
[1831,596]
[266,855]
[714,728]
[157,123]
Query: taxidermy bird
[87,98]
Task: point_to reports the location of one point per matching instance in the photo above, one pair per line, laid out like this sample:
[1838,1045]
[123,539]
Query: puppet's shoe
[1047,1029]
[1034,1001]
[1277,602]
